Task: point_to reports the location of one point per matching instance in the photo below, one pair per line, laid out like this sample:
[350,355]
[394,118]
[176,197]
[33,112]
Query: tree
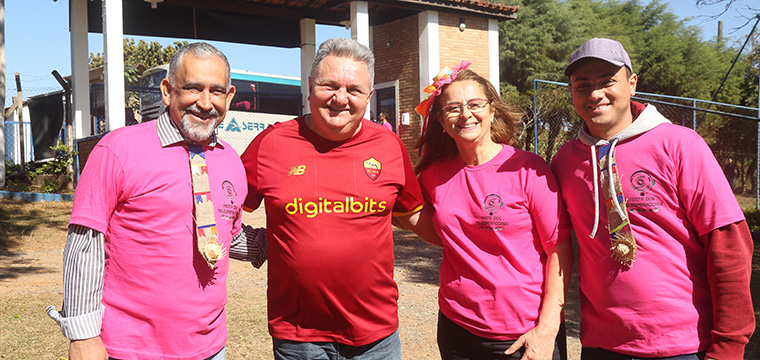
[537,44]
[141,53]
[669,56]
[138,54]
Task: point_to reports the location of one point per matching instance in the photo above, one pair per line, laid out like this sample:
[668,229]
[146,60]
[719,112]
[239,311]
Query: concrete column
[2,92]
[493,53]
[80,76]
[360,22]
[308,51]
[113,49]
[430,59]
[360,28]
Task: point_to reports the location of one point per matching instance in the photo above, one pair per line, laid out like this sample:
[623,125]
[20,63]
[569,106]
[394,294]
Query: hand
[538,342]
[88,349]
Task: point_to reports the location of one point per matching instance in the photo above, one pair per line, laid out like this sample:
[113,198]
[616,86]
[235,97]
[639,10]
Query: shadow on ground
[419,260]
[24,225]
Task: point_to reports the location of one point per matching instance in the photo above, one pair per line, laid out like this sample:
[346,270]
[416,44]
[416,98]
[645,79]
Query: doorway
[386,100]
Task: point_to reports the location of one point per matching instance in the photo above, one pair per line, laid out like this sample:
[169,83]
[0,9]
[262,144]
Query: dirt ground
[32,237]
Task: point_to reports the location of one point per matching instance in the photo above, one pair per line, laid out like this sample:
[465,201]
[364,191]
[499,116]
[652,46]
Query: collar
[169,133]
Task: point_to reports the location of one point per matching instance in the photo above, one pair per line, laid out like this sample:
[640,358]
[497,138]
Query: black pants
[456,343]
[588,353]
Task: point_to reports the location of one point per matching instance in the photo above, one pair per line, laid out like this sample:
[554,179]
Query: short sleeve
[410,196]
[98,190]
[703,188]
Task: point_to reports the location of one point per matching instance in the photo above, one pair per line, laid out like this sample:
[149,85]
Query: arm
[729,266]
[82,313]
[421,222]
[539,341]
[250,245]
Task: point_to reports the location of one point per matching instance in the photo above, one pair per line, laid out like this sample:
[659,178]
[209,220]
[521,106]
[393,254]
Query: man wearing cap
[664,250]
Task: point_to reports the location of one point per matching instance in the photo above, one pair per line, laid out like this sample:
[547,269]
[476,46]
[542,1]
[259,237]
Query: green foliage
[751,65]
[147,55]
[64,157]
[667,54]
[753,219]
[141,53]
[16,185]
[537,44]
[20,178]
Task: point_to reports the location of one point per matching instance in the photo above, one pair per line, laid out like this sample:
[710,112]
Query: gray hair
[200,50]
[345,48]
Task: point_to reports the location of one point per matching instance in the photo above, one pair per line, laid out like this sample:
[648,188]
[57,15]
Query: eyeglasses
[455,110]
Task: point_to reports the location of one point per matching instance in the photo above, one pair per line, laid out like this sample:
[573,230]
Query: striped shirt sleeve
[250,245]
[83,265]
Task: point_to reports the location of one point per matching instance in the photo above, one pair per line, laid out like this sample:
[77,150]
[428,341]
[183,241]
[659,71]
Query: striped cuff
[250,245]
[80,327]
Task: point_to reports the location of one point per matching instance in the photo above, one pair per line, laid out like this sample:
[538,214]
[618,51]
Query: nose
[204,100]
[340,96]
[465,108]
[596,94]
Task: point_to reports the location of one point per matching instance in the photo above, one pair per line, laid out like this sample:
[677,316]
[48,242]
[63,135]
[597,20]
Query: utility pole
[756,44]
[2,92]
[20,107]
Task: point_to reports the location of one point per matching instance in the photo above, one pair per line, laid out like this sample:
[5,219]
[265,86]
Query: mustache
[200,112]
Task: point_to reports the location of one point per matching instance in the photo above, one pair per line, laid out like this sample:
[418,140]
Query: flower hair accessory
[445,76]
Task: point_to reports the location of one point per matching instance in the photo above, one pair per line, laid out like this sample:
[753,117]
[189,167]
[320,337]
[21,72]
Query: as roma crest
[372,168]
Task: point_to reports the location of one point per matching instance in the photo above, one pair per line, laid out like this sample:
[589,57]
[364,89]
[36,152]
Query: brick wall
[470,44]
[396,48]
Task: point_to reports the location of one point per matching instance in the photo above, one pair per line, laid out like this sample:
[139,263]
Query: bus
[260,100]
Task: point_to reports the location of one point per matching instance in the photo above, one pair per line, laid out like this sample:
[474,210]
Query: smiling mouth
[202,117]
[331,109]
[467,126]
[599,107]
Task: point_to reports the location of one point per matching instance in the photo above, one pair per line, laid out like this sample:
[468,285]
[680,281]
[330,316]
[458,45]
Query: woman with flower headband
[506,260]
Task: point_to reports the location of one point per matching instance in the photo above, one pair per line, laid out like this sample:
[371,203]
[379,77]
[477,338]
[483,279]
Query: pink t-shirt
[675,192]
[496,220]
[161,299]
[328,208]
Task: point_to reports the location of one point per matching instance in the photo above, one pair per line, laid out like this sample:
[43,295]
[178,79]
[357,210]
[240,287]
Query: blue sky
[37,42]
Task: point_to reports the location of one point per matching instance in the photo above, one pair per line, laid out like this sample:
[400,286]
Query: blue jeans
[217,356]
[388,348]
[588,353]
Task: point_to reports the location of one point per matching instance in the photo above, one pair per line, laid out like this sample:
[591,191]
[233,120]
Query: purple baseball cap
[608,50]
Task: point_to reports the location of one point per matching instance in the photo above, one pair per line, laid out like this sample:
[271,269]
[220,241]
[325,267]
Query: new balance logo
[297,170]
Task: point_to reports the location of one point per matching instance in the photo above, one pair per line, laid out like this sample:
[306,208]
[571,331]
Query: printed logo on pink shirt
[228,211]
[492,204]
[229,190]
[643,182]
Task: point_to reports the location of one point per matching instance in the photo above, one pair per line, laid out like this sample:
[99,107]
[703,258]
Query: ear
[166,91]
[632,82]
[371,91]
[311,88]
[230,94]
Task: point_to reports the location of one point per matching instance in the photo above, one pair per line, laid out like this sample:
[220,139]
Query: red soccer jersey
[329,208]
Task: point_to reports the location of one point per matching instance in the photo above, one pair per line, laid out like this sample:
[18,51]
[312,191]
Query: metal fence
[731,131]
[12,143]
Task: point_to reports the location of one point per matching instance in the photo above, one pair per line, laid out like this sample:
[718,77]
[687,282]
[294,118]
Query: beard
[197,131]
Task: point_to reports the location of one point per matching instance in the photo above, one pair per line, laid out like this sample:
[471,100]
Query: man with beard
[145,262]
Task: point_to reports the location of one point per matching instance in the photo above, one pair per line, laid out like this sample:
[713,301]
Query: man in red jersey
[331,182]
